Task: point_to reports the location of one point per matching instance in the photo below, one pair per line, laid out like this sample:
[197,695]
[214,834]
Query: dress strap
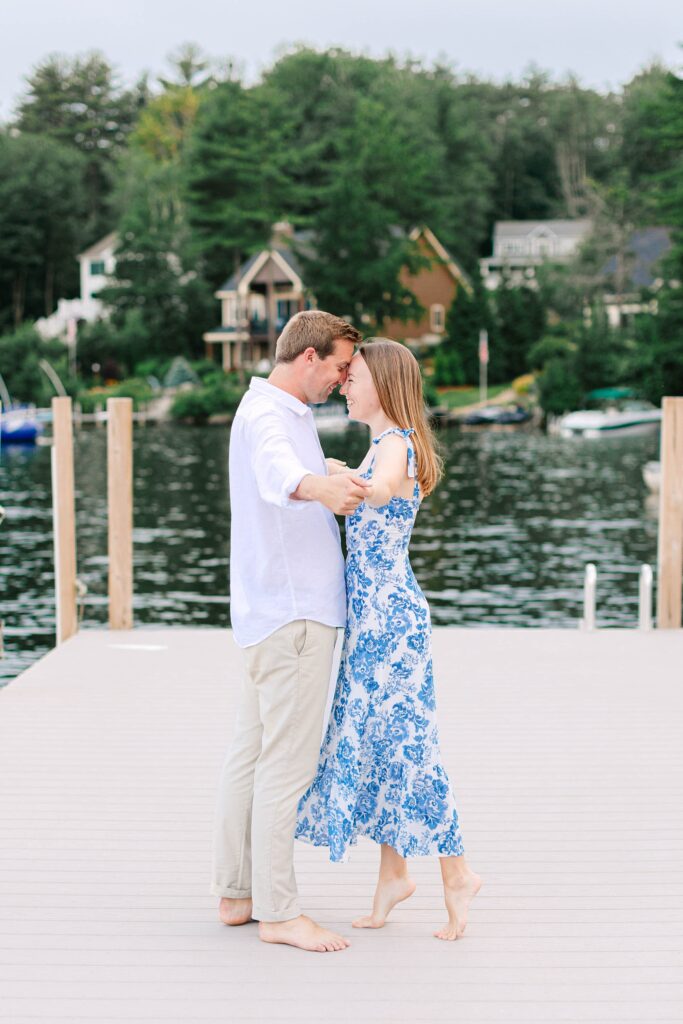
[405,433]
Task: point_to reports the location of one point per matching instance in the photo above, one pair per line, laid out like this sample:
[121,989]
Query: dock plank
[565,755]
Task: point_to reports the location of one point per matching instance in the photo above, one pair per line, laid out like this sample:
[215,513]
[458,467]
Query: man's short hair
[313,328]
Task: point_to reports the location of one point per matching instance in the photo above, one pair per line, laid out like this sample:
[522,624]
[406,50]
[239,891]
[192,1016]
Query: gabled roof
[304,241]
[453,267]
[248,268]
[560,228]
[109,241]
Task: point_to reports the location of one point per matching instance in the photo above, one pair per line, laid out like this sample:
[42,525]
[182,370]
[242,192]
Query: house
[256,303]
[266,290]
[631,274]
[435,287]
[521,246]
[97,265]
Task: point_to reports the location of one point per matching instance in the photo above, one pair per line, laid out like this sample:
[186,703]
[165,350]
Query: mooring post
[645,598]
[589,587]
[120,508]
[670,546]
[64,519]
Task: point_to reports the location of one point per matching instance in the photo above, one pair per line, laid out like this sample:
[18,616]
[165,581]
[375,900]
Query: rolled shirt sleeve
[277,468]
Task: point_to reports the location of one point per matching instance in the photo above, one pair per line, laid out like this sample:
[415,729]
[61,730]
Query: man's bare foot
[304,933]
[234,912]
[458,896]
[389,892]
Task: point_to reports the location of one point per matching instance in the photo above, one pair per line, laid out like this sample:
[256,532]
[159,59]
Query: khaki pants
[271,762]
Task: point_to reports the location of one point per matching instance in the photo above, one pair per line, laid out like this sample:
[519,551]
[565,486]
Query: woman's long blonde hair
[397,378]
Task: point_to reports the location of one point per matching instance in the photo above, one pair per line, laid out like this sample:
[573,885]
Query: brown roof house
[435,287]
[268,288]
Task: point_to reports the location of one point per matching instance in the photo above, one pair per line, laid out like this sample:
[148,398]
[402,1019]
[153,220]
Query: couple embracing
[379,772]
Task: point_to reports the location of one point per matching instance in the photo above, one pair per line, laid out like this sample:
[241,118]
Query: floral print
[380,772]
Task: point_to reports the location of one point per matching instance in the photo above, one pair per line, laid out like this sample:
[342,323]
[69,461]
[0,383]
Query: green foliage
[448,368]
[157,286]
[78,103]
[520,321]
[113,347]
[41,211]
[218,398]
[134,387]
[233,183]
[357,151]
[586,356]
[20,355]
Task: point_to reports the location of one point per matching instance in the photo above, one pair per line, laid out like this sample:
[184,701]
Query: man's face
[326,374]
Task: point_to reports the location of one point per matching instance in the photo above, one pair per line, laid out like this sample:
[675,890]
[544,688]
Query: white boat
[331,417]
[616,412]
[652,475]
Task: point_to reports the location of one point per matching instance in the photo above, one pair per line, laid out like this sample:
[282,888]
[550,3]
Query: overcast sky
[604,41]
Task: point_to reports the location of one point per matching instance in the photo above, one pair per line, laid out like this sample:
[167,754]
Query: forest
[191,169]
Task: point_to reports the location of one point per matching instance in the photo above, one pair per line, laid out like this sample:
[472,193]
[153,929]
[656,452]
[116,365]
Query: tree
[375,189]
[469,314]
[234,186]
[157,287]
[41,214]
[520,321]
[20,354]
[79,103]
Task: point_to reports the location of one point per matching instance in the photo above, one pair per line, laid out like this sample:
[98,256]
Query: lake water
[502,542]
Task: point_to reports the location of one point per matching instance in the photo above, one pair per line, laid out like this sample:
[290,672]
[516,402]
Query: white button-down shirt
[285,555]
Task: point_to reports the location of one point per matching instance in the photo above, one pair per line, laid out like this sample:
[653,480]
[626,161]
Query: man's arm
[341,493]
[283,480]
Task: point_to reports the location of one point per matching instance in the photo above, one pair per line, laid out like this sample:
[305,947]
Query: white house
[97,265]
[521,246]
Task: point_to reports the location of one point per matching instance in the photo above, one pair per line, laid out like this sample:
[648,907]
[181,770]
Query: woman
[380,772]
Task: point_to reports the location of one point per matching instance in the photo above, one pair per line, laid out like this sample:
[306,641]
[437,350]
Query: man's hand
[341,493]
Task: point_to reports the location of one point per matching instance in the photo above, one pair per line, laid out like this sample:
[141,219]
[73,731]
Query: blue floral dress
[380,772]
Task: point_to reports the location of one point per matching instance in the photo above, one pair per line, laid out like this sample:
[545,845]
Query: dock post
[120,508]
[64,519]
[670,546]
[645,598]
[589,587]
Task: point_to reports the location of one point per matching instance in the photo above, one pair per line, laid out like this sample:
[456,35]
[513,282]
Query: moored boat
[499,415]
[610,412]
[19,426]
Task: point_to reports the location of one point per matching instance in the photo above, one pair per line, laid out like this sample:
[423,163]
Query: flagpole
[483,363]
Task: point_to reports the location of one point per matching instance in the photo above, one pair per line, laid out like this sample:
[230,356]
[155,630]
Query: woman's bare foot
[458,895]
[304,933]
[234,912]
[389,892]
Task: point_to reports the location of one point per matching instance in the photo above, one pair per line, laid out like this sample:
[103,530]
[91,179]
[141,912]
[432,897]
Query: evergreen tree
[235,188]
[79,103]
[156,281]
[41,213]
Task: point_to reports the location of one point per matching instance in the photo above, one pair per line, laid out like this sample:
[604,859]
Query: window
[97,267]
[437,318]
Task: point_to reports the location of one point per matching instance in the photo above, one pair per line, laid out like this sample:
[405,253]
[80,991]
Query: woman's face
[360,392]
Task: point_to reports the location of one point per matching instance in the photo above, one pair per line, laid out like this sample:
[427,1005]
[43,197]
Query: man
[287,602]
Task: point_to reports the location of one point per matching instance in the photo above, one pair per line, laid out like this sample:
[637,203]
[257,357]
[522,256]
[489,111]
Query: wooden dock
[566,755]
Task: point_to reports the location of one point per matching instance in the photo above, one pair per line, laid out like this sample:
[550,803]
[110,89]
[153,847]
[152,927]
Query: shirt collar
[264,387]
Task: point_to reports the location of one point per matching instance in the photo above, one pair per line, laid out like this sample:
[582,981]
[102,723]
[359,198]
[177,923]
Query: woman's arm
[335,466]
[391,469]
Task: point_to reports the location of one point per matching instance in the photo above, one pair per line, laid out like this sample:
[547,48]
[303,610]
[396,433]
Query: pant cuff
[261,914]
[226,892]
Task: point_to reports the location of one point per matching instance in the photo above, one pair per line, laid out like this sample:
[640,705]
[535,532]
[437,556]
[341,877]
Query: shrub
[199,404]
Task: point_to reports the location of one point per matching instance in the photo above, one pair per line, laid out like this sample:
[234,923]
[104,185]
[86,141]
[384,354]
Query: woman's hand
[335,466]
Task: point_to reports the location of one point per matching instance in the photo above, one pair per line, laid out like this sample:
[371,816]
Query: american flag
[483,347]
